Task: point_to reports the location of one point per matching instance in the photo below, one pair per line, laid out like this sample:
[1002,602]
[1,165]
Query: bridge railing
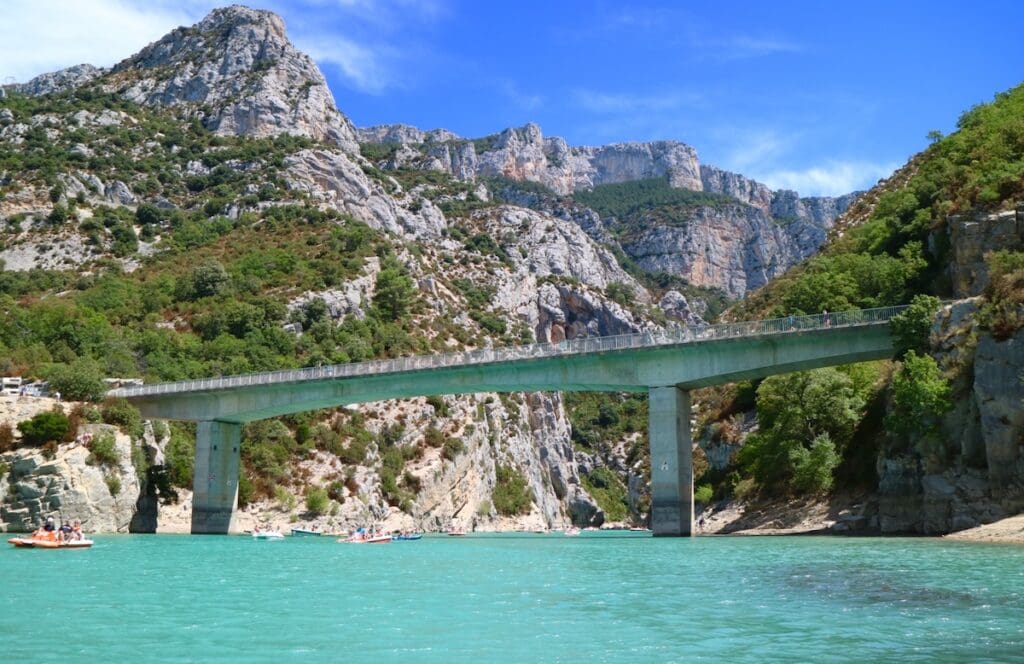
[580,345]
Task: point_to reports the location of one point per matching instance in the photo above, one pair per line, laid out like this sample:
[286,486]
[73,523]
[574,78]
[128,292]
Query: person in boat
[64,533]
[76,531]
[48,531]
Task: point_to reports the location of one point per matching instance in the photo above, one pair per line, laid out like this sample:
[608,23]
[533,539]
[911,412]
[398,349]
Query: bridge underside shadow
[667,372]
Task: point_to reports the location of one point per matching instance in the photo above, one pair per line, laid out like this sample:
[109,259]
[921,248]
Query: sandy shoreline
[1007,531]
[816,517]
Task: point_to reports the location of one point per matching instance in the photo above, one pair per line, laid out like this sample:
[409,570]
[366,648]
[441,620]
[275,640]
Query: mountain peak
[241,74]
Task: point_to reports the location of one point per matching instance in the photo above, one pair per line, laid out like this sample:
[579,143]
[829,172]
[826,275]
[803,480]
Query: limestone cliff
[524,153]
[235,70]
[63,484]
[736,248]
[972,470]
[58,81]
[767,234]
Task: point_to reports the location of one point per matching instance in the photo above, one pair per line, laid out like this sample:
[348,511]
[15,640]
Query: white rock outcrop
[240,72]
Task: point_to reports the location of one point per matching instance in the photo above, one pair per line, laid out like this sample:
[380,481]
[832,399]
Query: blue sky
[822,97]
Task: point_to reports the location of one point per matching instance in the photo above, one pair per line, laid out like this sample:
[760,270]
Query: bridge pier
[215,483]
[671,462]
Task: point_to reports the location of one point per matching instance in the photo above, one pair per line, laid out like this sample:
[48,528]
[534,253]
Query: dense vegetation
[898,253]
[629,201]
[232,245]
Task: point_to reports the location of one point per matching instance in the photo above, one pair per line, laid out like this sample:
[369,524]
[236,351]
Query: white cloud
[742,47]
[362,66]
[756,147]
[604,102]
[832,179]
[38,37]
[525,100]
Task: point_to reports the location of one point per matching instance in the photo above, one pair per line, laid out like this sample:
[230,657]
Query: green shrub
[246,490]
[440,406]
[45,427]
[620,293]
[82,380]
[609,492]
[453,447]
[704,494]
[103,451]
[434,437]
[394,293]
[6,437]
[123,415]
[317,500]
[910,329]
[113,484]
[920,396]
[180,455]
[512,495]
[813,467]
[336,491]
[285,499]
[1003,310]
[355,452]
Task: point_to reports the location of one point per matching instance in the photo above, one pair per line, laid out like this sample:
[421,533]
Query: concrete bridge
[666,365]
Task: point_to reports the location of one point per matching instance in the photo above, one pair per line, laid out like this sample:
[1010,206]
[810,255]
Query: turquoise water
[599,597]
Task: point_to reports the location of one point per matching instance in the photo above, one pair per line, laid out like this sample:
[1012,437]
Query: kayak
[34,543]
[407,538]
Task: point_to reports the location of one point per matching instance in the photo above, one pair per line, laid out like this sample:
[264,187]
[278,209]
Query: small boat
[41,543]
[303,532]
[456,533]
[572,532]
[371,539]
[412,537]
[267,535]
[639,530]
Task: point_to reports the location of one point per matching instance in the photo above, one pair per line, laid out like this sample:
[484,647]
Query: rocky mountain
[258,239]
[937,444]
[781,230]
[525,154]
[235,70]
[271,234]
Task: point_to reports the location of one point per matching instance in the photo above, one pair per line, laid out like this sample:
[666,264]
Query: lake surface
[622,597]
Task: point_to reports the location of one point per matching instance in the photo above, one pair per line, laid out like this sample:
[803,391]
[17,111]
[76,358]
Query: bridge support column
[671,462]
[215,484]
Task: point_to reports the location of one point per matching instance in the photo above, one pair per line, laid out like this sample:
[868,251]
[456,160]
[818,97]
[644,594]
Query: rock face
[973,236]
[333,179]
[238,65]
[743,189]
[37,487]
[736,248]
[59,81]
[524,154]
[974,473]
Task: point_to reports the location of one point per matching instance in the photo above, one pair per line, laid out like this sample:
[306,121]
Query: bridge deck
[691,356]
